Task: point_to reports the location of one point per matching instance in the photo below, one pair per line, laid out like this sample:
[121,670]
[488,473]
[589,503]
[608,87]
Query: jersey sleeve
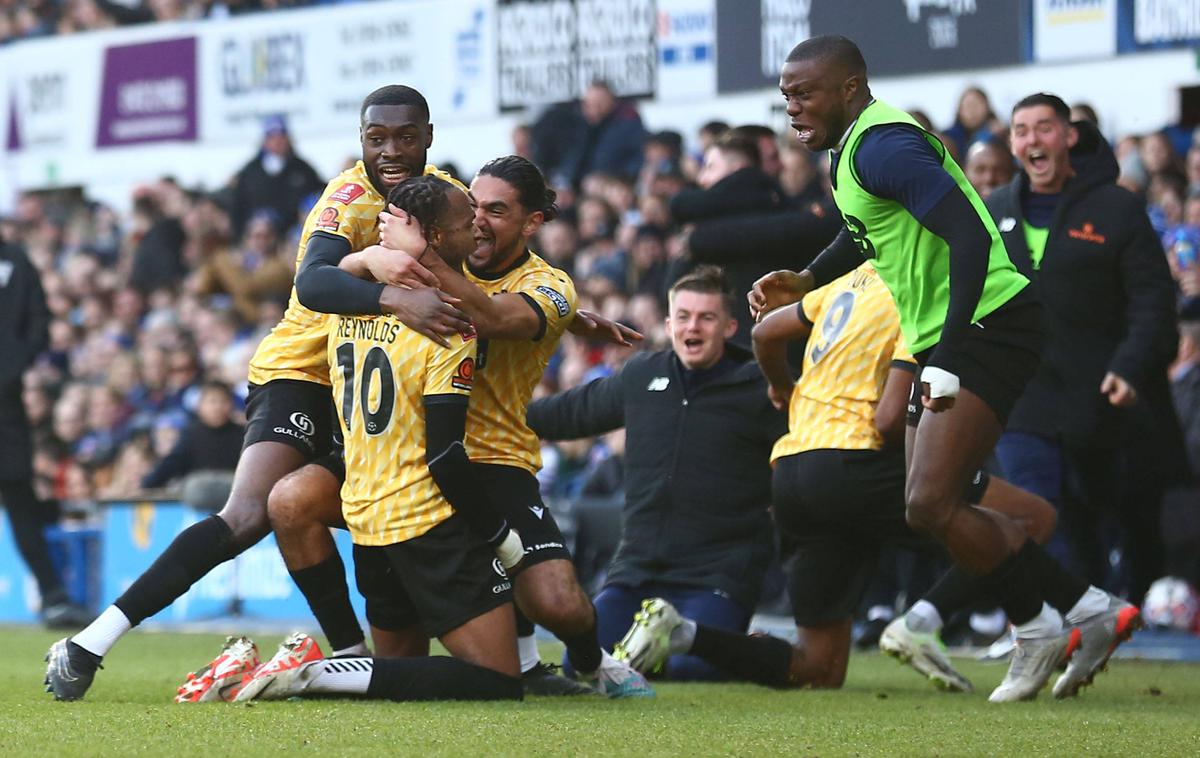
[813,303]
[450,372]
[347,210]
[901,357]
[898,163]
[552,298]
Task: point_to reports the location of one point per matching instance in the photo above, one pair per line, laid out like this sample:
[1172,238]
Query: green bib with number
[912,261]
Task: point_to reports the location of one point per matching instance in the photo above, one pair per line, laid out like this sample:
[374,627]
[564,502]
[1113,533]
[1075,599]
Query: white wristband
[510,551]
[941,383]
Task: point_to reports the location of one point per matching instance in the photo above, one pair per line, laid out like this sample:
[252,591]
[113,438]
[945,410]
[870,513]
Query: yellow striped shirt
[349,208]
[509,370]
[855,339]
[381,372]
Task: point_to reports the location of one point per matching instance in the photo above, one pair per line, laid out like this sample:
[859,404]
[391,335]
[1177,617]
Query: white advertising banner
[316,66]
[687,49]
[1074,29]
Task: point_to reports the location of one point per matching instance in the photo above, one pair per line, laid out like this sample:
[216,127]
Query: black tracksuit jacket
[697,477]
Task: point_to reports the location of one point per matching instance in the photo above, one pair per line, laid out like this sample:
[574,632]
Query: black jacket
[697,478]
[1108,296]
[24,319]
[199,448]
[255,189]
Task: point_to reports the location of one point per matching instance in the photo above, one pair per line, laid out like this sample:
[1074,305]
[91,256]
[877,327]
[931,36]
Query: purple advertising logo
[149,93]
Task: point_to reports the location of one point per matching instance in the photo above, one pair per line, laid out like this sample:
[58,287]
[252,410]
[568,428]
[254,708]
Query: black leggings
[27,524]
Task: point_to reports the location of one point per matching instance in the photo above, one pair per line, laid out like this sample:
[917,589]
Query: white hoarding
[1074,29]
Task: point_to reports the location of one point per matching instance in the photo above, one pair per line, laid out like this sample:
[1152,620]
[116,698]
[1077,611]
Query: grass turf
[1134,708]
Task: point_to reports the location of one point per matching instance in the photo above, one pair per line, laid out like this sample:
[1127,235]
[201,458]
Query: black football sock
[761,659]
[583,650]
[524,625]
[193,553]
[324,587]
[1061,588]
[955,591]
[439,677]
[1016,584]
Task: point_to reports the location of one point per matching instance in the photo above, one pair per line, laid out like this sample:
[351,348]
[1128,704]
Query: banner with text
[550,50]
[1157,24]
[896,36]
[1074,29]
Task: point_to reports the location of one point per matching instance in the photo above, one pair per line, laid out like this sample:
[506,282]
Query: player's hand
[1121,394]
[939,388]
[428,311]
[400,231]
[511,552]
[776,289]
[779,396]
[398,268]
[594,326]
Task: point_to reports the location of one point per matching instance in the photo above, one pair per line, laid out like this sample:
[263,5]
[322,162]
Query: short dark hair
[426,198]
[1044,98]
[532,190]
[831,48]
[715,127]
[216,385]
[706,279]
[395,94]
[738,143]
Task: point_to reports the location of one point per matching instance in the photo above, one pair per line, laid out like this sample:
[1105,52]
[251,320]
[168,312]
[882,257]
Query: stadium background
[98,115]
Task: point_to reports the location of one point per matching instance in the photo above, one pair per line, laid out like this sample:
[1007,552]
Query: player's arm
[780,288]
[323,287]
[771,337]
[891,413]
[446,456]
[585,411]
[899,163]
[506,316]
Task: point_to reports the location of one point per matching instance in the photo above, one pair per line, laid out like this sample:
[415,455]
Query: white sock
[103,633]
[354,651]
[923,617]
[342,676]
[682,637]
[528,650]
[880,612]
[1048,623]
[990,624]
[1094,601]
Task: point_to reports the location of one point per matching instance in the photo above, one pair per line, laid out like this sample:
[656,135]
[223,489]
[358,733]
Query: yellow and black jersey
[349,208]
[382,372]
[509,370]
[855,340]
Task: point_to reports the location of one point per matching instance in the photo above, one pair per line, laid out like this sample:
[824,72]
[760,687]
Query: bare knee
[928,509]
[246,518]
[556,602]
[304,499]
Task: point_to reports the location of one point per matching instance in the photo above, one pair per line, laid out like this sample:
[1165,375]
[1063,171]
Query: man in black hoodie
[1088,421]
[699,431]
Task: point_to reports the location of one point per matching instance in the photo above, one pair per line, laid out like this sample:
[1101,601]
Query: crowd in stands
[154,310]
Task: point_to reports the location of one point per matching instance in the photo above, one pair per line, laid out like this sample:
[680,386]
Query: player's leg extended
[303,506]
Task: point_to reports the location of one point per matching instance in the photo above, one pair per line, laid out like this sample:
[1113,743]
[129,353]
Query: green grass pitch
[1136,708]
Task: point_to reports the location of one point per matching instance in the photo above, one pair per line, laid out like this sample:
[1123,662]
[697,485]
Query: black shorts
[997,357]
[839,508]
[519,497]
[440,580]
[293,412]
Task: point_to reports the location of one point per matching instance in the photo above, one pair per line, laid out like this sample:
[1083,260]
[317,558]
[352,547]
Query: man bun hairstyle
[395,94]
[426,198]
[1056,103]
[706,279]
[532,190]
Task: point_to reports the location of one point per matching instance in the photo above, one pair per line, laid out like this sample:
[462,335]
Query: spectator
[699,430]
[23,334]
[255,272]
[276,179]
[974,120]
[989,166]
[210,442]
[609,139]
[767,142]
[158,256]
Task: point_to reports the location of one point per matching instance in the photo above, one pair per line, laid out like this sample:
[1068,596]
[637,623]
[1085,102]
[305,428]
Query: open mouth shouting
[391,174]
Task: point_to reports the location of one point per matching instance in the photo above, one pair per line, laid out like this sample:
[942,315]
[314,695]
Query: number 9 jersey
[854,342]
[383,375]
